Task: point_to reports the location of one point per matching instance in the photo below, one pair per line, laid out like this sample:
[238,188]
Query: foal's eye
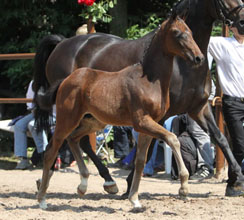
[176,33]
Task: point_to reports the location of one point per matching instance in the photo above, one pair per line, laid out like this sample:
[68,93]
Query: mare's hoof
[183,192]
[239,185]
[111,187]
[124,196]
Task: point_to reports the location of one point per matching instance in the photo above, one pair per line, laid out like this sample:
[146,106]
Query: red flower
[81,2]
[86,2]
[89,2]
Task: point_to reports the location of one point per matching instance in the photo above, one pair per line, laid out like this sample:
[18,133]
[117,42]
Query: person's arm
[30,95]
[215,49]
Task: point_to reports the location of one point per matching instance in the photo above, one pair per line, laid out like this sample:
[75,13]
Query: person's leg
[203,143]
[20,142]
[159,162]
[234,114]
[130,157]
[40,138]
[149,167]
[20,137]
[121,142]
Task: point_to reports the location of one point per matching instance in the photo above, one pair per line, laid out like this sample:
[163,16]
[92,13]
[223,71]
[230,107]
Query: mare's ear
[181,8]
[174,14]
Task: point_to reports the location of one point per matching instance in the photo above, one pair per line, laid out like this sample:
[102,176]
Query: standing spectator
[20,134]
[228,53]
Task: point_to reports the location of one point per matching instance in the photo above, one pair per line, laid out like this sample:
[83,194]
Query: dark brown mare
[189,88]
[136,96]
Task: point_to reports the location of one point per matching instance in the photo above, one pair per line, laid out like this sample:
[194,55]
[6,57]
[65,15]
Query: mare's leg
[206,120]
[110,185]
[147,125]
[87,126]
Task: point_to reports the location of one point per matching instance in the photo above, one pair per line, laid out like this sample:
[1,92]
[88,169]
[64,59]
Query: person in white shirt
[20,134]
[228,53]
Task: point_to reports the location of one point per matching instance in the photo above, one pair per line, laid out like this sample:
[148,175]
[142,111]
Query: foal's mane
[149,42]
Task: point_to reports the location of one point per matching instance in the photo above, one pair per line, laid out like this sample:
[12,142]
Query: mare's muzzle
[240,26]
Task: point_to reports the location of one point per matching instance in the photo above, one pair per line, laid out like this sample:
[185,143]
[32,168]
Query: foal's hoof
[81,190]
[43,205]
[136,204]
[183,192]
[110,187]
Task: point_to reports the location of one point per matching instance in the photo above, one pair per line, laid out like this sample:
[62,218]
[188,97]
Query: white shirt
[228,54]
[30,95]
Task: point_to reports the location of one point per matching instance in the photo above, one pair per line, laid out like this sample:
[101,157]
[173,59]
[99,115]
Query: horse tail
[46,100]
[40,85]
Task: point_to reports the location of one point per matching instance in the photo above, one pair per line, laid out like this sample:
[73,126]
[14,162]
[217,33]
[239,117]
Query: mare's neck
[157,62]
[200,20]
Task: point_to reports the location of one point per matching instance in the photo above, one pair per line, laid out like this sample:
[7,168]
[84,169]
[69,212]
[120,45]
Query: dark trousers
[233,110]
[121,142]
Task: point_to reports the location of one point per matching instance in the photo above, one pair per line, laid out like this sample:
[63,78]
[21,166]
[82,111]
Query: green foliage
[23,25]
[98,11]
[135,31]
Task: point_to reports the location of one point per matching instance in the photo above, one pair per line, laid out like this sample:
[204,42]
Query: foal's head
[179,41]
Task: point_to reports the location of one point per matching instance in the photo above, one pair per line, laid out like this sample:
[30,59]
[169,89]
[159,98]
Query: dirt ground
[158,195]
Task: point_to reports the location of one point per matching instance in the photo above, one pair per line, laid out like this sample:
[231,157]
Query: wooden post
[92,136]
[93,141]
[220,159]
[90,26]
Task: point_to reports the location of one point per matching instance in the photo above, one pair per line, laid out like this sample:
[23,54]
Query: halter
[225,14]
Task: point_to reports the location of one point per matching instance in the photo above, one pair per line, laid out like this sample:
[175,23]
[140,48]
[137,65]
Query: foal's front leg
[148,126]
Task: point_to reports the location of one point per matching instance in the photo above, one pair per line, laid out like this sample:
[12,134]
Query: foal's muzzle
[199,59]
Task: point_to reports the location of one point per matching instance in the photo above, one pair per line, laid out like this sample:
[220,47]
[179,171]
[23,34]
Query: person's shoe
[231,192]
[146,175]
[23,164]
[159,169]
[57,165]
[202,173]
[118,164]
[72,164]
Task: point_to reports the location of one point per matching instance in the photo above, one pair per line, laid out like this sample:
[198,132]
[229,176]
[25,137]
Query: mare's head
[179,41]
[231,12]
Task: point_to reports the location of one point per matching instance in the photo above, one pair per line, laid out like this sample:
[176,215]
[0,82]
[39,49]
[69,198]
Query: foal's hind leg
[142,147]
[49,158]
[89,125]
[84,173]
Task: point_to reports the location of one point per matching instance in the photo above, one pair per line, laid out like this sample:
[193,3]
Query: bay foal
[136,96]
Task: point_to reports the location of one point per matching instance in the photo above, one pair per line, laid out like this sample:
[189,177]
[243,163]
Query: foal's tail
[41,84]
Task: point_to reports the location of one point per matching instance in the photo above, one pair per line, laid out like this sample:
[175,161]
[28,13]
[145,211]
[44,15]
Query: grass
[8,160]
